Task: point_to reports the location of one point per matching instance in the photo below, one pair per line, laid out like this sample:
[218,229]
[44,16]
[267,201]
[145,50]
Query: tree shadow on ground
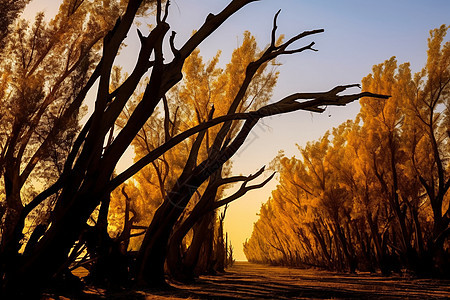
[251,281]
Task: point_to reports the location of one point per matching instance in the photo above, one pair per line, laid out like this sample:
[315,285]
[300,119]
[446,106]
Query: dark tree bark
[206,204]
[221,251]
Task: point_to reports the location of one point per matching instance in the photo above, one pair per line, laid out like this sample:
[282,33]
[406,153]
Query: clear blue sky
[358,34]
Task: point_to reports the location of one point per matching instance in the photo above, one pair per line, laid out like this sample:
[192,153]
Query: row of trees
[373,194]
[61,199]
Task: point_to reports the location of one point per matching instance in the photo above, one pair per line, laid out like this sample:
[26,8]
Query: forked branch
[243,189]
[273,50]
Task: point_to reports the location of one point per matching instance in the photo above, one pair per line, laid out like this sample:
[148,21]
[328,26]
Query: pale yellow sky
[49,7]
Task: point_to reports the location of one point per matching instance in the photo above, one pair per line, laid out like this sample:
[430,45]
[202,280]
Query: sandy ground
[250,281]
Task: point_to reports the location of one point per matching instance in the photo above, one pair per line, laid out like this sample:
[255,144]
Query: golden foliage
[375,188]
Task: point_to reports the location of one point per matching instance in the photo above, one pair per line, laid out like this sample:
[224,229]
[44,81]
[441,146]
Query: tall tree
[383,121]
[429,153]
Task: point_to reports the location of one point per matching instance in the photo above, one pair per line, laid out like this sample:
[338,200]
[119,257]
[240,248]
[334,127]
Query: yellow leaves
[386,160]
[229,83]
[4,82]
[437,58]
[382,81]
[199,90]
[436,71]
[241,57]
[211,68]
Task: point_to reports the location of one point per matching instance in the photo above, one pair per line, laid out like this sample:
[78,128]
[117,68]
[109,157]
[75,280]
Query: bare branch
[158,11]
[166,119]
[141,37]
[300,36]
[166,11]
[138,234]
[243,189]
[315,100]
[175,51]
[211,24]
[274,30]
[309,47]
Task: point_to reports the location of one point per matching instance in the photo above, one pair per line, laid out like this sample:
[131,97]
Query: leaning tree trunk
[10,239]
[221,250]
[153,252]
[206,261]
[36,269]
[199,255]
[174,260]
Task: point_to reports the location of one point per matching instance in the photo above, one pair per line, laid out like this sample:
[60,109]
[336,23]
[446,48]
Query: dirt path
[251,281]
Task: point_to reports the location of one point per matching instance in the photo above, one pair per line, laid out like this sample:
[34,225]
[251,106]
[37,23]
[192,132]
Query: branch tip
[166,11]
[174,50]
[141,36]
[274,29]
[158,11]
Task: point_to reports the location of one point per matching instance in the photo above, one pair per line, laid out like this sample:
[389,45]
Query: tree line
[372,194]
[64,205]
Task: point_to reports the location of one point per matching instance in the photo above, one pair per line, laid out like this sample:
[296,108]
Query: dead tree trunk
[221,250]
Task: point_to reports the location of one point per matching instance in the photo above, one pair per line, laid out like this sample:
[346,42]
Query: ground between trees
[253,281]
